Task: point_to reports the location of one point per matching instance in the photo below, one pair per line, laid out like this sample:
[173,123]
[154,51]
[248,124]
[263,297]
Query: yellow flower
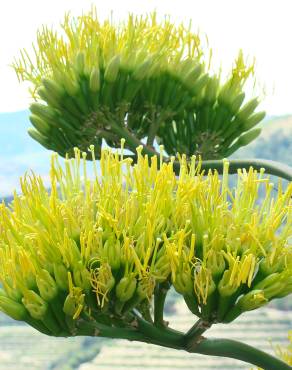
[75,250]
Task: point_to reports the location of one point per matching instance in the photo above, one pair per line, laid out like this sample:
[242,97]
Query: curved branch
[271,167]
[240,351]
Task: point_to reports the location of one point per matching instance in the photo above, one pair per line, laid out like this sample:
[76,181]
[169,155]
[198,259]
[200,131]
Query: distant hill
[275,141]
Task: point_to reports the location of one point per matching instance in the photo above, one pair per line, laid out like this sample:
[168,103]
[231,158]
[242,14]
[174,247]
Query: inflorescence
[140,80]
[98,249]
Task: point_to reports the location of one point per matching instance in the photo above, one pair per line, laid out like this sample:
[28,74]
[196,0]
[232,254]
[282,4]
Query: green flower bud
[211,90]
[80,63]
[53,88]
[35,305]
[125,288]
[272,285]
[183,283]
[112,253]
[47,286]
[94,81]
[39,124]
[237,102]
[185,67]
[112,69]
[70,305]
[193,75]
[268,268]
[268,281]
[247,138]
[248,109]
[10,291]
[38,137]
[224,287]
[226,94]
[252,300]
[61,276]
[216,264]
[161,268]
[142,70]
[285,291]
[81,277]
[199,84]
[145,287]
[12,308]
[253,120]
[70,85]
[43,111]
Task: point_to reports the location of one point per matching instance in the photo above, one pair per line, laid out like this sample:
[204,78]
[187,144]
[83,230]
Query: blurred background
[263,29]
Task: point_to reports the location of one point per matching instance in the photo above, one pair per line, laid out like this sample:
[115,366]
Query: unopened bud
[13,309]
[252,300]
[94,82]
[61,276]
[35,304]
[112,253]
[47,286]
[112,69]
[183,283]
[125,288]
[81,277]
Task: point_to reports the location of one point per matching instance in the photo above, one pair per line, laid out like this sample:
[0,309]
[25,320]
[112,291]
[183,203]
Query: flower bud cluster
[97,80]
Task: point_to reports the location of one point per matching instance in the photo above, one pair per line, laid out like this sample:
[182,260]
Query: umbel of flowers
[97,256]
[143,80]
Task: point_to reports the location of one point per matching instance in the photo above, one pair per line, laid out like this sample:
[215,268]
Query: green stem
[93,328]
[194,335]
[271,167]
[152,128]
[131,141]
[240,351]
[144,331]
[159,301]
[162,336]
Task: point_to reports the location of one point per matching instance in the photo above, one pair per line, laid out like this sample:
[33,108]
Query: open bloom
[98,248]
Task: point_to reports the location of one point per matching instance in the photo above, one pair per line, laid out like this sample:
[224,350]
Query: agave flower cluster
[98,249]
[142,79]
[286,353]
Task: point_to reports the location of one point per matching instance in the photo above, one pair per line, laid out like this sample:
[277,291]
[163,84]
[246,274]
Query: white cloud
[262,28]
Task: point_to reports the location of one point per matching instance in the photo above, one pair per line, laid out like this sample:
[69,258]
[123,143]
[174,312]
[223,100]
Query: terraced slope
[255,328]
[23,348]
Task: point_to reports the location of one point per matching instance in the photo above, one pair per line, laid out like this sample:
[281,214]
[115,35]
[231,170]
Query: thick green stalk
[143,331]
[271,167]
[194,335]
[162,336]
[240,351]
[159,301]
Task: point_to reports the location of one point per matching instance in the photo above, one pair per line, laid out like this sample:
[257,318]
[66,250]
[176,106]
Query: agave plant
[142,80]
[98,256]
[285,353]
